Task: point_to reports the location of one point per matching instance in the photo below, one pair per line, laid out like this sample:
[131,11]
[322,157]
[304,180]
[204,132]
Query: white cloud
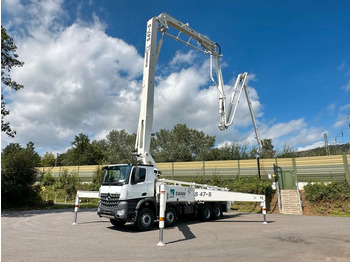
[341,66]
[311,146]
[343,117]
[293,133]
[330,108]
[181,58]
[75,79]
[80,80]
[346,87]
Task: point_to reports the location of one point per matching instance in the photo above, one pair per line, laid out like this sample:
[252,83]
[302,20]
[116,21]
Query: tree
[118,146]
[82,153]
[8,60]
[182,144]
[18,176]
[267,150]
[230,151]
[48,160]
[253,152]
[67,184]
[287,152]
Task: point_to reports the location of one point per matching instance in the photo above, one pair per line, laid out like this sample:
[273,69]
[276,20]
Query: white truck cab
[124,190]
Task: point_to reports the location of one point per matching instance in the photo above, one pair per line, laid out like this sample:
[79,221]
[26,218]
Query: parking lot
[50,236]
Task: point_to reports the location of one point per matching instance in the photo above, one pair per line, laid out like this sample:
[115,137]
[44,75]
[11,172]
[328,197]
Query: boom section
[179,191]
[162,23]
[143,137]
[238,88]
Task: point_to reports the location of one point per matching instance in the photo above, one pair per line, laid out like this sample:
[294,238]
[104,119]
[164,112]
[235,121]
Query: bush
[252,185]
[320,191]
[18,176]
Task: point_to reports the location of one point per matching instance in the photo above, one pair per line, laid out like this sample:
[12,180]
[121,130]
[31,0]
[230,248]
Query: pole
[76,207]
[258,161]
[162,206]
[263,204]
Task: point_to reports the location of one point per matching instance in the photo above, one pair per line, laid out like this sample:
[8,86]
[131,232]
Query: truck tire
[217,211]
[145,220]
[117,223]
[170,217]
[205,212]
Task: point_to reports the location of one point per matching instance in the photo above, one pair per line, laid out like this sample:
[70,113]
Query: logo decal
[172,193]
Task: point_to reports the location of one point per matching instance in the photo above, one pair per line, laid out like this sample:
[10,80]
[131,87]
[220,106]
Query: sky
[83,64]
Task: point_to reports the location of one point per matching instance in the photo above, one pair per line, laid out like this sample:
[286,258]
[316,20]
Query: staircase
[290,202]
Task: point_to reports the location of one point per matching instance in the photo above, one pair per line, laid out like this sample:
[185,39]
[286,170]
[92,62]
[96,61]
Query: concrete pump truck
[131,192]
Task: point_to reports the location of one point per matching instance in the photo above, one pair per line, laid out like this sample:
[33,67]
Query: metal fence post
[203,169]
[295,170]
[346,168]
[239,167]
[172,170]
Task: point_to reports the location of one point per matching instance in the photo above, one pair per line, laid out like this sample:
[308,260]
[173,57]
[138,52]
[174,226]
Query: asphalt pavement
[50,236]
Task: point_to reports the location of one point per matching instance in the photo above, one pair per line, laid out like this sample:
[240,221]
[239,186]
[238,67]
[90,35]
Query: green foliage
[252,185]
[67,184]
[228,152]
[97,179]
[215,179]
[47,179]
[8,60]
[61,188]
[18,176]
[48,160]
[181,144]
[117,147]
[320,191]
[321,151]
[287,152]
[82,153]
[267,150]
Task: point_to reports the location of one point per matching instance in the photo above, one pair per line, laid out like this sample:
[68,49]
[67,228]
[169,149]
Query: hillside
[321,151]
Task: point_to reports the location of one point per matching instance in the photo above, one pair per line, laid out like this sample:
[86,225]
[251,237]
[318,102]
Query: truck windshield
[116,175]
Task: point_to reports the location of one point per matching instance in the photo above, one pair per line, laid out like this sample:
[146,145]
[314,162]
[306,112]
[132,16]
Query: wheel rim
[146,220]
[170,217]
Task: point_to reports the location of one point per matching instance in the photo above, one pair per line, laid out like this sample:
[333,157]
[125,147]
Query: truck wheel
[217,213]
[117,223]
[205,212]
[170,217]
[145,220]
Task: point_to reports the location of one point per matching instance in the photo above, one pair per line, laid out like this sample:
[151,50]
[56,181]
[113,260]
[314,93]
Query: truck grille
[109,200]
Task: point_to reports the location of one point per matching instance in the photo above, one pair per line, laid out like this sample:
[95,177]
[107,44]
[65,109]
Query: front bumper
[118,212]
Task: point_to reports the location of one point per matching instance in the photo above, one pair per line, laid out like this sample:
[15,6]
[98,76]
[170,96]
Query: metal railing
[299,197]
[322,168]
[279,200]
